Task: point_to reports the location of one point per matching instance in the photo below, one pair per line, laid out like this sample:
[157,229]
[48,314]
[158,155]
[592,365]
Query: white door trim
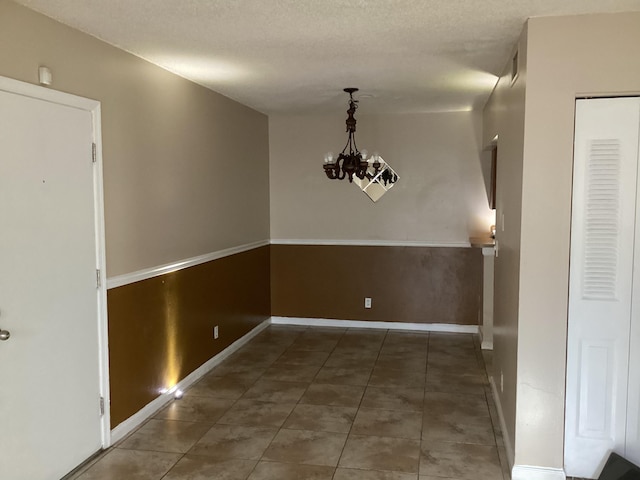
[93,107]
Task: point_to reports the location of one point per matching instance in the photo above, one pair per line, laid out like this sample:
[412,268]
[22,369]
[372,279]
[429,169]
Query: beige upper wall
[567,57]
[439,198]
[504,116]
[185,169]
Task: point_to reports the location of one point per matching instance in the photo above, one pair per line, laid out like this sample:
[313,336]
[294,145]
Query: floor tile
[455,383]
[222,387]
[307,447]
[288,471]
[256,359]
[291,373]
[132,465]
[455,407]
[279,392]
[231,441]
[407,338]
[457,432]
[257,414]
[338,395]
[458,460]
[429,477]
[321,418]
[462,361]
[310,344]
[343,376]
[166,436]
[381,453]
[196,409]
[302,357]
[452,339]
[203,468]
[455,369]
[349,358]
[403,361]
[296,402]
[353,474]
[394,398]
[388,423]
[229,369]
[364,340]
[392,378]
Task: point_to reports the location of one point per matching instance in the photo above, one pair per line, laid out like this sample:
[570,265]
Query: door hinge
[101,405]
[94,154]
[98,280]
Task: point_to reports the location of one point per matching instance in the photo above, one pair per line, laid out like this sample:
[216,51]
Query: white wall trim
[138,418]
[367,243]
[146,273]
[328,322]
[508,446]
[526,472]
[47,94]
[151,272]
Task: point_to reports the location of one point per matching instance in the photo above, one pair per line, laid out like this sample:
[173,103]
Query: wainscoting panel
[406,284]
[161,329]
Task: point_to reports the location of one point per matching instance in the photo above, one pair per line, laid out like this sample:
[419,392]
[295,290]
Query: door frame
[93,107]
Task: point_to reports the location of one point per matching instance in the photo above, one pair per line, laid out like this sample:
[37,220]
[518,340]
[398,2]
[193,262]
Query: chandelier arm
[340,170]
[347,145]
[354,144]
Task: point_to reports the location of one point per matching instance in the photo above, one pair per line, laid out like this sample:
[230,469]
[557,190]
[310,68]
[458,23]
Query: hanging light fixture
[350,161]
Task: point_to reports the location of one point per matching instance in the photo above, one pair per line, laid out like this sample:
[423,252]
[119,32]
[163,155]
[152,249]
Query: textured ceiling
[297,55]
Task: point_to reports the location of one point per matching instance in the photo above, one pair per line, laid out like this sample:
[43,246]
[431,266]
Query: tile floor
[321,404]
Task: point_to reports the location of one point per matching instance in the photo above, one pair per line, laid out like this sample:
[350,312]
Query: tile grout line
[360,404]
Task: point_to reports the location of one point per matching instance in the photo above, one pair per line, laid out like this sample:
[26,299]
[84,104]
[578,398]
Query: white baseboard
[526,472]
[508,446]
[138,418]
[328,322]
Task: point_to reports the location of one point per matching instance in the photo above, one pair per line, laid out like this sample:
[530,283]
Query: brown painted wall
[161,329]
[407,284]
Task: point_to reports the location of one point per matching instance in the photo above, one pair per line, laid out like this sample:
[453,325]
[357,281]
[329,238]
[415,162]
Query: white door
[603,243]
[50,381]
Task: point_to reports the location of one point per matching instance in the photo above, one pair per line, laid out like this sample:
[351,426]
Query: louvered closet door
[601,284]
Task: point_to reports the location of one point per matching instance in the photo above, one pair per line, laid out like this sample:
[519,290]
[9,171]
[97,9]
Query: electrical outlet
[215,332]
[501,382]
[367,302]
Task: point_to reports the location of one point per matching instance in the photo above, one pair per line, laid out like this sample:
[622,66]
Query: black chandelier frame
[351,161]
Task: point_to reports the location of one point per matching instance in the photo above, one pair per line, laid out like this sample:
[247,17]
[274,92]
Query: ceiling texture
[296,56]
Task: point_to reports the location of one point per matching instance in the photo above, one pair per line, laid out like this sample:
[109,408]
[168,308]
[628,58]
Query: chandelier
[350,161]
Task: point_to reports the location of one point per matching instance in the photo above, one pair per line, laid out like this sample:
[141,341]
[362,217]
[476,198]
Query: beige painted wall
[185,169]
[567,57]
[440,197]
[504,116]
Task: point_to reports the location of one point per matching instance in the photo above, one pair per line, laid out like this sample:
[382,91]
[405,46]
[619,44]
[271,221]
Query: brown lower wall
[407,284]
[161,329]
